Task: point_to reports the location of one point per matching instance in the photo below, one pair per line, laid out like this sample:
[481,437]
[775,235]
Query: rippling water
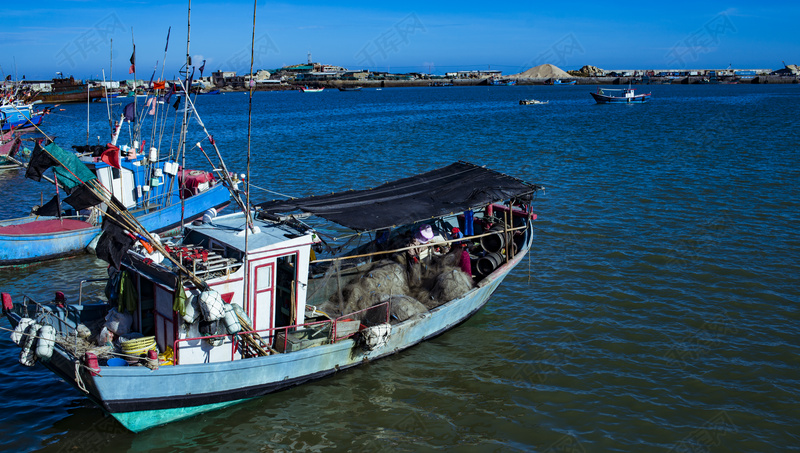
[658,309]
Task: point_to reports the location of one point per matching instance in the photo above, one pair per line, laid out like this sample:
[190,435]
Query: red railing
[268,334]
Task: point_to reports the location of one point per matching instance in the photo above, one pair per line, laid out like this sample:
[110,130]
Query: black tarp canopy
[455,188]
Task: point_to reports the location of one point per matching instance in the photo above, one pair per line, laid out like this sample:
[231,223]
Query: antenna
[309,58]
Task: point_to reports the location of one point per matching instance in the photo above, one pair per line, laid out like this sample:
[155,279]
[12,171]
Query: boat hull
[141,399]
[603,99]
[17,249]
[34,120]
[76,94]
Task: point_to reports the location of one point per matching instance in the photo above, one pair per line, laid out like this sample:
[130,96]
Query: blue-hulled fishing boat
[18,115]
[501,82]
[562,82]
[619,96]
[254,302]
[156,192]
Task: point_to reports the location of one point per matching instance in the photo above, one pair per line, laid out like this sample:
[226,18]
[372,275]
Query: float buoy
[46,342]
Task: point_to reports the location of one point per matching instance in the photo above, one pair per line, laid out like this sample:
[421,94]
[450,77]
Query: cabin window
[263,278]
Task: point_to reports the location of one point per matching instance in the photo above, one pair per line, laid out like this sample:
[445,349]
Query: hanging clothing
[127,294]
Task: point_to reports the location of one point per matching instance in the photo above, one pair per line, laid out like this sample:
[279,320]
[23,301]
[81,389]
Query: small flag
[133,61]
[177,103]
[171,92]
[202,67]
[130,112]
[111,156]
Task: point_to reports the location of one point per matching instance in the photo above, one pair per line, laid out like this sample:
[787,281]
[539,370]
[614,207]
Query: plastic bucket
[116,361]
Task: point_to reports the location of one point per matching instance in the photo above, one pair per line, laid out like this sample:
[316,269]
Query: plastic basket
[139,345]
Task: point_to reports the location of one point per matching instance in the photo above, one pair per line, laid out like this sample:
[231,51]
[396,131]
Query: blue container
[116,361]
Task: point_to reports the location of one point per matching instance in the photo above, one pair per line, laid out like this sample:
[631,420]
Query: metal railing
[269,336]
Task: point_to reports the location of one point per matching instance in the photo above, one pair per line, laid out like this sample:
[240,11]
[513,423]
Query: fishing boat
[349,88]
[64,90]
[562,82]
[502,82]
[532,102]
[158,192]
[305,89]
[20,115]
[261,300]
[619,96]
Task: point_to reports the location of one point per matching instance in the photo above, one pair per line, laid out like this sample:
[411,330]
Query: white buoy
[153,155]
[17,336]
[192,312]
[209,215]
[46,342]
[241,314]
[231,320]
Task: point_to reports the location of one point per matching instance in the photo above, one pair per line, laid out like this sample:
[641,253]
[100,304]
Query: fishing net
[409,286]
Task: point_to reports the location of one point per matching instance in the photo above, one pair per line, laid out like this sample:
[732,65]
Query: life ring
[196,172]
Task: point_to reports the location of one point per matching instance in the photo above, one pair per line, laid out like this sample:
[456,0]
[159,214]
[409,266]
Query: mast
[251,88]
[182,147]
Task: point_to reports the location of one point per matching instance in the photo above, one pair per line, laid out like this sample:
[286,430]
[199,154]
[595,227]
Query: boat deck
[44,227]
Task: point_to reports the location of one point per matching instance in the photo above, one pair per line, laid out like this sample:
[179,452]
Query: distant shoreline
[688,80]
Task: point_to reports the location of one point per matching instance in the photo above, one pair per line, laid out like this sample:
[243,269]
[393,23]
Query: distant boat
[349,88]
[70,90]
[305,89]
[502,82]
[210,92]
[560,82]
[532,102]
[619,96]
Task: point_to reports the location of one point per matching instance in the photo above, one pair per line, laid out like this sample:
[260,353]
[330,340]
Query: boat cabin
[275,277]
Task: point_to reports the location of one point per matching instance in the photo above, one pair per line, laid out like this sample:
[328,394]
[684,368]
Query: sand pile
[545,71]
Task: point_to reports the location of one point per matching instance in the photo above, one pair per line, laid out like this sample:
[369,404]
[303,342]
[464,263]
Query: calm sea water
[658,309]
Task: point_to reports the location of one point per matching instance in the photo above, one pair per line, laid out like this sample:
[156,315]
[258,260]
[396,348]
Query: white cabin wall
[302,282]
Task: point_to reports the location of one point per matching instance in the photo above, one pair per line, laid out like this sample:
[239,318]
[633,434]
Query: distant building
[222,78]
[478,74]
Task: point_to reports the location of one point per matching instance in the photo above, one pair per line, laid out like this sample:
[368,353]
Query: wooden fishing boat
[619,96]
[305,89]
[65,90]
[251,303]
[349,88]
[158,193]
[562,82]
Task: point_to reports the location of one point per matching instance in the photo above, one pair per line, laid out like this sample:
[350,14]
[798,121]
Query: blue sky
[73,37]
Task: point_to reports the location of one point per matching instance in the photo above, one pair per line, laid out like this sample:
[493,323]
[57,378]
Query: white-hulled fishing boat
[247,304]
